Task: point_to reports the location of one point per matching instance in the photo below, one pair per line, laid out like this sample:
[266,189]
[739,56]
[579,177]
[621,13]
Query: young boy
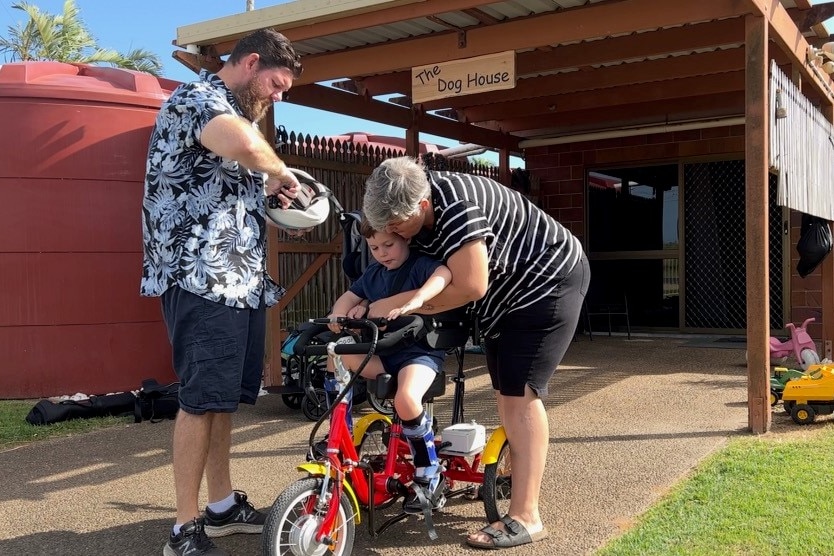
[416,366]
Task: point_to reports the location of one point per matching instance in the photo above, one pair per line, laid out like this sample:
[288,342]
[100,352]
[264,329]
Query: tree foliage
[65,38]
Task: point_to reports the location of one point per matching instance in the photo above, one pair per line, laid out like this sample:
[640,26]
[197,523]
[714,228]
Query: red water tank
[72,164]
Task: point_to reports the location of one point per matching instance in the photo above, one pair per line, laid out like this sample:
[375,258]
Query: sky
[152,25]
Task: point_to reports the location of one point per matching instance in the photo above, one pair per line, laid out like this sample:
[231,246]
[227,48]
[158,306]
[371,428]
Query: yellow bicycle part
[361,426]
[493,446]
[315,469]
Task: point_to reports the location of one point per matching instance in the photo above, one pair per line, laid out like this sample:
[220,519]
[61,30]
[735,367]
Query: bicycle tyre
[386,407]
[295,516]
[497,488]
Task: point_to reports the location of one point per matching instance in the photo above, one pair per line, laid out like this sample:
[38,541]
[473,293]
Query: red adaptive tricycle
[370,468]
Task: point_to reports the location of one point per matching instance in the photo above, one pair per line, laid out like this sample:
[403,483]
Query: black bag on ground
[813,245]
[155,402]
[47,412]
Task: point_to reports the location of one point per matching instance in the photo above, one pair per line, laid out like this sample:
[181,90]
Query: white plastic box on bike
[463,439]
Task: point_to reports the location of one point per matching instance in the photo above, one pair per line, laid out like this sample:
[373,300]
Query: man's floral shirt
[203,219]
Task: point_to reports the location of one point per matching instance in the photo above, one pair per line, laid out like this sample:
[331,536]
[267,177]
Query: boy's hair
[365,229]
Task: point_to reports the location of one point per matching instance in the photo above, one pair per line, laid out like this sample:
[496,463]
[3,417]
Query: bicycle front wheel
[498,485]
[296,516]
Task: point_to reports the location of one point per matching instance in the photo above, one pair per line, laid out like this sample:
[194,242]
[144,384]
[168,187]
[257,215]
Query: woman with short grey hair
[526,276]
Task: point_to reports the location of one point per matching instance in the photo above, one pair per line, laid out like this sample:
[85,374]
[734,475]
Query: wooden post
[827,282]
[504,172]
[756,186]
[272,342]
[412,134]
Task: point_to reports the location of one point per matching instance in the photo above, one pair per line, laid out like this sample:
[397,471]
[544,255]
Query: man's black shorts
[218,351]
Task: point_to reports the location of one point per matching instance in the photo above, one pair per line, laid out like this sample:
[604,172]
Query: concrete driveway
[629,418]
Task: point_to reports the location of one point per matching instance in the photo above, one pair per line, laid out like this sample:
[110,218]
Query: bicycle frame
[375,487]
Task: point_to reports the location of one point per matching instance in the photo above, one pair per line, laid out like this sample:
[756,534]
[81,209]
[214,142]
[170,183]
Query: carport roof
[581,65]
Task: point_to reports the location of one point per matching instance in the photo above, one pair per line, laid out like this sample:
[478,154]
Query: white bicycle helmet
[310,207]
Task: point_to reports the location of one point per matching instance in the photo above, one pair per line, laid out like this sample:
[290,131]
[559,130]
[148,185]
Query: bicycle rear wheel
[386,407]
[295,517]
[498,485]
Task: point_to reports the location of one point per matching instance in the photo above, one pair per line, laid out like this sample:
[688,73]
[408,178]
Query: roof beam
[805,19]
[340,102]
[644,113]
[595,21]
[657,43]
[790,39]
[615,96]
[307,29]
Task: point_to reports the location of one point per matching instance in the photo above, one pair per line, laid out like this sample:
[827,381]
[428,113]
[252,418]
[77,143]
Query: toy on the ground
[800,345]
[810,395]
[780,377]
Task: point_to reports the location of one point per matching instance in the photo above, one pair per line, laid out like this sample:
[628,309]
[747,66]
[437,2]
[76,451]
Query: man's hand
[284,186]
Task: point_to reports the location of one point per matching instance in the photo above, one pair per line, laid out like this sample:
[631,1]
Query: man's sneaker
[192,541]
[433,496]
[240,518]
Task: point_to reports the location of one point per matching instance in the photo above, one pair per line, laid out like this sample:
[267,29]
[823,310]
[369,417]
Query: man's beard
[253,100]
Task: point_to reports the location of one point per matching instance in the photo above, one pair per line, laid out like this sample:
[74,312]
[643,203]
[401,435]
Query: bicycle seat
[385,387]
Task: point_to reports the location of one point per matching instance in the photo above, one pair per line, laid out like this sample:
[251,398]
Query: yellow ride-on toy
[810,395]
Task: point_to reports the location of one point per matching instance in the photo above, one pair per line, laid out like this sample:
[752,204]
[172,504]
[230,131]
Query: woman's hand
[406,309]
[358,311]
[335,327]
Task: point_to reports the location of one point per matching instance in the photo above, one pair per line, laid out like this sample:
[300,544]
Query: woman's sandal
[515,535]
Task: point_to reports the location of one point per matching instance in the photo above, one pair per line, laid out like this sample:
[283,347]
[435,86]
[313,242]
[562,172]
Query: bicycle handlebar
[408,326]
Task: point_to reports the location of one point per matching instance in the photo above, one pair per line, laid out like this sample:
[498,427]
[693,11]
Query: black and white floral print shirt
[203,218]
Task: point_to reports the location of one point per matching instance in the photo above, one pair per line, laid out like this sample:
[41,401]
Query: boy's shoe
[240,518]
[433,494]
[192,541]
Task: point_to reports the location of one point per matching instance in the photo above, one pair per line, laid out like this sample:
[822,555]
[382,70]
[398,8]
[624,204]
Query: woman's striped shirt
[529,252]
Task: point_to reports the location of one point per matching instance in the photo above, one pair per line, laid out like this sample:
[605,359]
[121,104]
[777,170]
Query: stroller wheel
[313,411]
[293,401]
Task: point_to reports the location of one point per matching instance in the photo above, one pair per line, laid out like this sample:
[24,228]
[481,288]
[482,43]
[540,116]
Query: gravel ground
[629,418]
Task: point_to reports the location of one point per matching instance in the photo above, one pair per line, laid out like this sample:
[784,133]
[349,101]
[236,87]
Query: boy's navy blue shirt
[375,283]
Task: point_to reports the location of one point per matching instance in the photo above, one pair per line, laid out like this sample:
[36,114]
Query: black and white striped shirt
[529,252]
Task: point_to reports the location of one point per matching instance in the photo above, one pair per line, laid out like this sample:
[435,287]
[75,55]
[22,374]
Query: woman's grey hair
[394,191]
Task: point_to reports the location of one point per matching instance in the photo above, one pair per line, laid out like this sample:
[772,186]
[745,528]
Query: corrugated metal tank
[72,162]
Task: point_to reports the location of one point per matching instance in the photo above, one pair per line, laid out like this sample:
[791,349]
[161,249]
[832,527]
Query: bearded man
[204,233]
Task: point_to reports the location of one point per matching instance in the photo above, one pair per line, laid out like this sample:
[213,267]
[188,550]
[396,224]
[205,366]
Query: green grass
[770,495]
[15,430]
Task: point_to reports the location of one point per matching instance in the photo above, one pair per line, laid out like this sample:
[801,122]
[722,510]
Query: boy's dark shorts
[218,351]
[433,359]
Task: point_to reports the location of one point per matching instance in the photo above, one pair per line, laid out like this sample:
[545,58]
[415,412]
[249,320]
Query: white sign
[463,77]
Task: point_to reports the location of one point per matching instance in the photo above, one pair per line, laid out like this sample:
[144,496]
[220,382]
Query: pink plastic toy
[800,345]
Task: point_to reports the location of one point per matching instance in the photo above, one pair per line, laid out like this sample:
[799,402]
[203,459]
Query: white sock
[177,527]
[222,505]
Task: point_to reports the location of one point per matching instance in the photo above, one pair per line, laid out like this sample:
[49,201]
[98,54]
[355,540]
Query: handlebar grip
[409,326]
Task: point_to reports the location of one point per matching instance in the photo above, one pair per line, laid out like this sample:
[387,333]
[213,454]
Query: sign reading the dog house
[463,77]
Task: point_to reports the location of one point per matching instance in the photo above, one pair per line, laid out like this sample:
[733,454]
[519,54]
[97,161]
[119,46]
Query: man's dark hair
[274,49]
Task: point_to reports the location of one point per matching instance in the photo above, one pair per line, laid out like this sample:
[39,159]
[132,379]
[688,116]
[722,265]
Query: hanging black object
[814,243]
